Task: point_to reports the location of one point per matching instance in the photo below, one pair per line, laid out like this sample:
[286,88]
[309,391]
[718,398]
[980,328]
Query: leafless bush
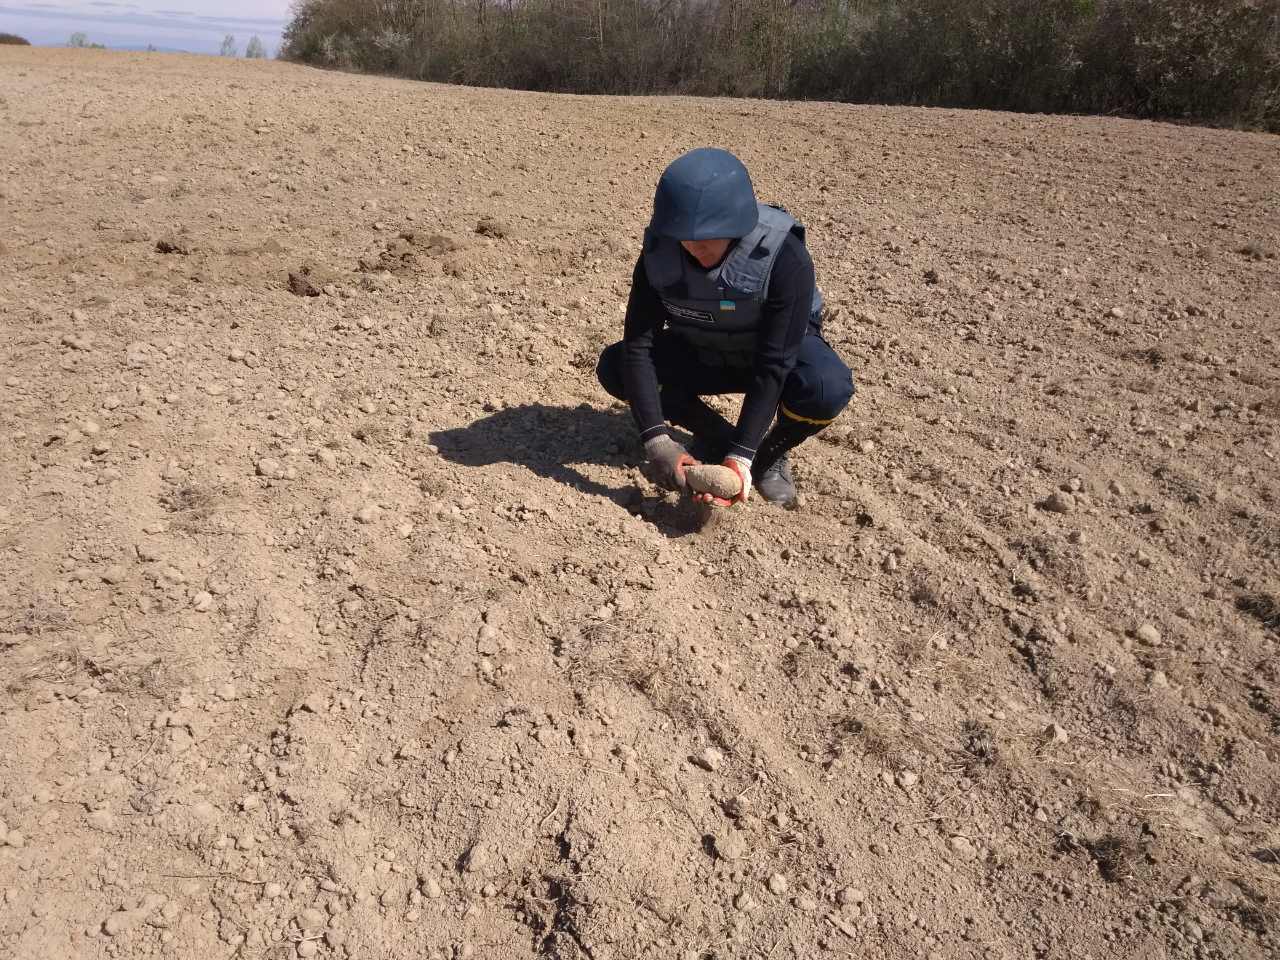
[1204,60]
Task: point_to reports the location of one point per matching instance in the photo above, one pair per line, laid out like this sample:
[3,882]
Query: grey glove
[668,460]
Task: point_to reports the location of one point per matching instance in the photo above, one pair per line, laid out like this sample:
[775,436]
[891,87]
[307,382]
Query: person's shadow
[552,441]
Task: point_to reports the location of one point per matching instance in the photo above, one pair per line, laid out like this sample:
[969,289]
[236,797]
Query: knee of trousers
[817,395]
[609,371]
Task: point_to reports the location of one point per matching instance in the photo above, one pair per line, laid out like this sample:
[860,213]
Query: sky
[196,26]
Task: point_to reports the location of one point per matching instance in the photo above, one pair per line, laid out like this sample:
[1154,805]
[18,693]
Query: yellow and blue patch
[728,305]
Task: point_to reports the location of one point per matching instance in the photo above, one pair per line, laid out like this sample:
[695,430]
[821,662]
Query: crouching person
[724,301]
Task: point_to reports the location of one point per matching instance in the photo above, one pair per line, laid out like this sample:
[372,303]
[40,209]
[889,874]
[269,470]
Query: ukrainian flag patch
[728,305]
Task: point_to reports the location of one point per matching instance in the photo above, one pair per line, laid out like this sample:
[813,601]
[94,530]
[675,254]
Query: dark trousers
[817,389]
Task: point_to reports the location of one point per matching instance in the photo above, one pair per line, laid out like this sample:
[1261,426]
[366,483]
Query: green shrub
[14,40]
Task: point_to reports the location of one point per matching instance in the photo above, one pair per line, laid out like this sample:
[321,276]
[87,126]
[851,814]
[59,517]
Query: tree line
[254,50]
[1201,60]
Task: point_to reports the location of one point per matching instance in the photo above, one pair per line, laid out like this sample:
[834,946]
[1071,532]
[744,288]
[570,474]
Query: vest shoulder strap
[750,264]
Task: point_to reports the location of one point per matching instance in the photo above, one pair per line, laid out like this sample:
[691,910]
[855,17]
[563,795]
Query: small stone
[314,703]
[122,921]
[431,888]
[807,904]
[308,948]
[15,839]
[404,530]
[368,406]
[227,692]
[327,457]
[101,819]
[850,895]
[101,448]
[367,513]
[114,574]
[388,898]
[1056,734]
[310,919]
[1060,502]
[476,860]
[730,845]
[409,750]
[867,446]
[744,901]
[778,884]
[907,779]
[962,846]
[1148,634]
[272,891]
[709,758]
[488,641]
[203,811]
[111,401]
[271,468]
[202,602]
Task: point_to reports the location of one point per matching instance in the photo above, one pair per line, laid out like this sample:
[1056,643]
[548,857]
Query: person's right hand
[668,459]
[742,467]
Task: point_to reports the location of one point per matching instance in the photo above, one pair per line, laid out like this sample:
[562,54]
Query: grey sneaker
[776,484]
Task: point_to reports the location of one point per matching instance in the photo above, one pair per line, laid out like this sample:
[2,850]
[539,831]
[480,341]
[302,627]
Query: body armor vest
[718,311]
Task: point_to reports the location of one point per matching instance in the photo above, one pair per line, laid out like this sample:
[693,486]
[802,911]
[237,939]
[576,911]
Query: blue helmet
[705,195]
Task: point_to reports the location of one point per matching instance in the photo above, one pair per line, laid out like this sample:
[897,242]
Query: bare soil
[339,620]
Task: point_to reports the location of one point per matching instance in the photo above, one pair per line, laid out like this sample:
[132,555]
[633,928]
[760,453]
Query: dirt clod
[493,227]
[173,244]
[306,281]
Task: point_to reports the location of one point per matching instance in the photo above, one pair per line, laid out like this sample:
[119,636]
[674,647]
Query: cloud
[127,17]
[260,21]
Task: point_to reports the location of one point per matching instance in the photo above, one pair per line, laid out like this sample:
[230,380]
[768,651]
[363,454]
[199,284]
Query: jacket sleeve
[783,324]
[645,317]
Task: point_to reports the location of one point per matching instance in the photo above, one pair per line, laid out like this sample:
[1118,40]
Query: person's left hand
[742,467]
[669,460]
